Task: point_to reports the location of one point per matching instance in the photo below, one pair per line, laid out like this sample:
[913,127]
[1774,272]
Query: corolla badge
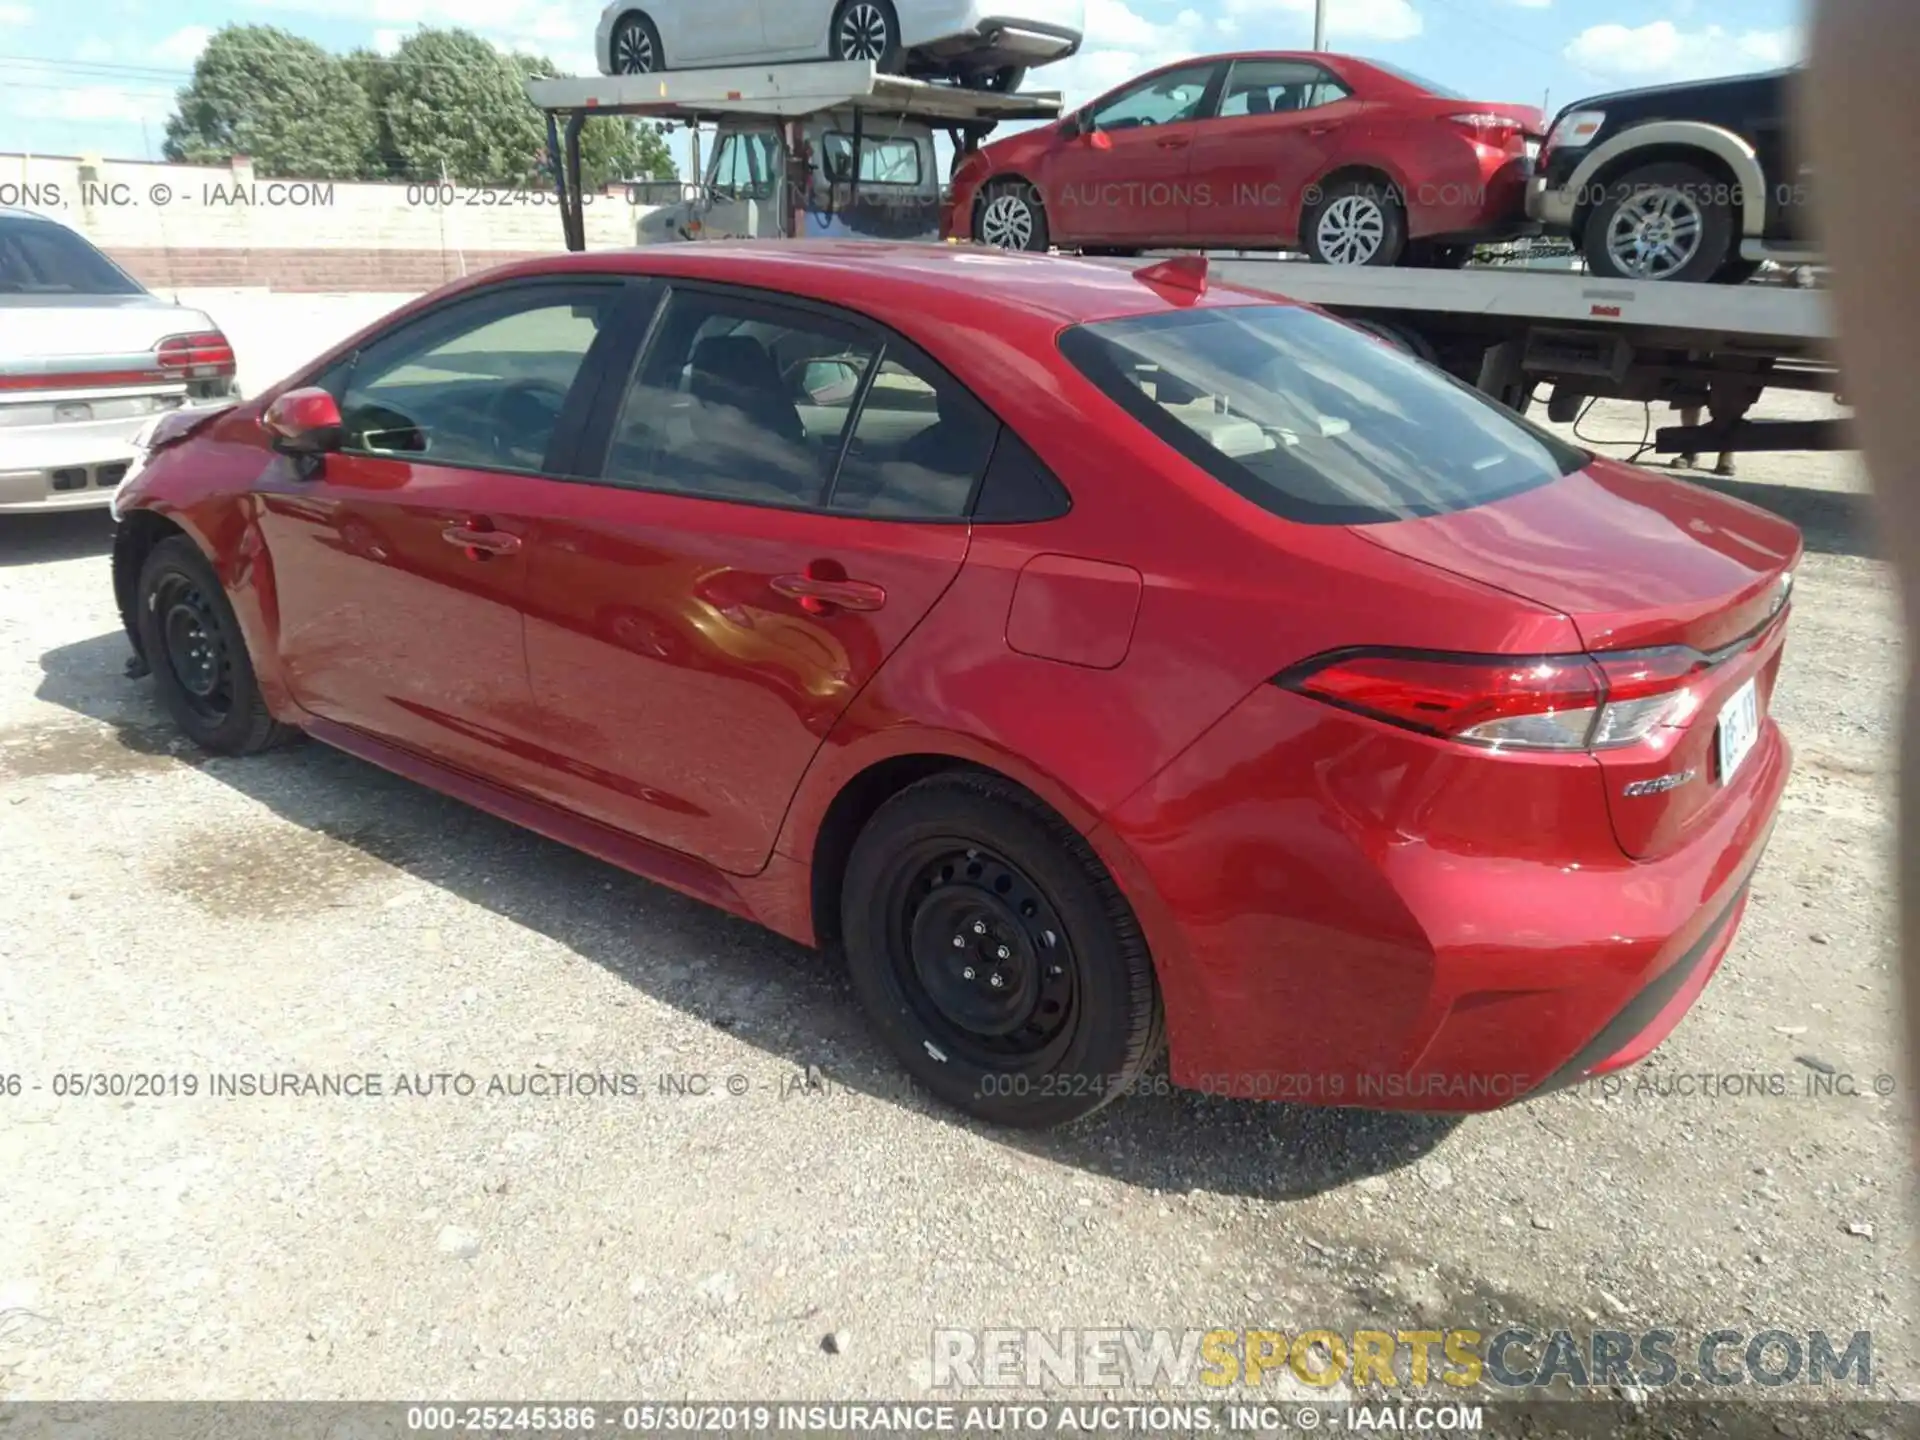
[1661,785]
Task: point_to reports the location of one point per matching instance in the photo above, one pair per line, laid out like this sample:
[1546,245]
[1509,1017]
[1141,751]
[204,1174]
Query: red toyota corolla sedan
[1102,657]
[1352,161]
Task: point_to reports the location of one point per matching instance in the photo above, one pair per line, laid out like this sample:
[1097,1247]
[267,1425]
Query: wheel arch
[138,532]
[231,544]
[1693,142]
[613,31]
[848,783]
[832,809]
[1368,169]
[893,12]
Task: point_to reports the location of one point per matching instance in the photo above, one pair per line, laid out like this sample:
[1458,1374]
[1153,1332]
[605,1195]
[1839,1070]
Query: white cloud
[539,27]
[1663,51]
[1531,4]
[16,14]
[183,47]
[1348,22]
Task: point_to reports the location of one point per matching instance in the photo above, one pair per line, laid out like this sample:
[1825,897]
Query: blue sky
[98,79]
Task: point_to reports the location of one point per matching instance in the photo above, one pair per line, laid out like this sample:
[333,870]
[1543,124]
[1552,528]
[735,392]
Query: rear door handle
[1321,129]
[818,597]
[480,544]
[1170,143]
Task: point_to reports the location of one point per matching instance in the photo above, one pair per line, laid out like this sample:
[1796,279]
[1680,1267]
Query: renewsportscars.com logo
[1515,1359]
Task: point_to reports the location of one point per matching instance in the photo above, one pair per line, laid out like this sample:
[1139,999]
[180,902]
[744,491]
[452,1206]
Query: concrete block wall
[222,227]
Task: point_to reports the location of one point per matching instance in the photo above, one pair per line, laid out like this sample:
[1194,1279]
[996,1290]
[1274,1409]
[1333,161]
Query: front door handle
[1318,130]
[1172,143]
[822,597]
[481,544]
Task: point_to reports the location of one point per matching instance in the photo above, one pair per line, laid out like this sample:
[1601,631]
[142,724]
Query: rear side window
[39,257]
[918,446]
[1312,419]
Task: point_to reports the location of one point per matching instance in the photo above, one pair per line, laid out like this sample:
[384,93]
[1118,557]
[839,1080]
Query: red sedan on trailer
[1352,161]
[1103,657]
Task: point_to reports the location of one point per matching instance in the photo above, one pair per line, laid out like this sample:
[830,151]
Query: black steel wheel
[192,640]
[995,954]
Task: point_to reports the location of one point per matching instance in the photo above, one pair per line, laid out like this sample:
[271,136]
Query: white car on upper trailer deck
[986,44]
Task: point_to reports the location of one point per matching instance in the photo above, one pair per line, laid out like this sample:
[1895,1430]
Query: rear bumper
[65,467]
[989,35]
[1479,194]
[1550,206]
[75,465]
[1345,915]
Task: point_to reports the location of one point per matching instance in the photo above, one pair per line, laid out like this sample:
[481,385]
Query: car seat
[745,420]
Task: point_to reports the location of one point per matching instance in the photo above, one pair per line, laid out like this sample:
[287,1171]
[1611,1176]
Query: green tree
[262,92]
[454,106]
[373,73]
[612,148]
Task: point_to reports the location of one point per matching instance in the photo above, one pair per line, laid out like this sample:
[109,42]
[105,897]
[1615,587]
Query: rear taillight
[1497,132]
[1545,702]
[205,355]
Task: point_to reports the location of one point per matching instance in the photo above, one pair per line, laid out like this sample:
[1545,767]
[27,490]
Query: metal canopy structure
[775,92]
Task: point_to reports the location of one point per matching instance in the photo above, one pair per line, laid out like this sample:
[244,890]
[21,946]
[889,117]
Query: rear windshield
[39,257]
[1312,419]
[1420,82]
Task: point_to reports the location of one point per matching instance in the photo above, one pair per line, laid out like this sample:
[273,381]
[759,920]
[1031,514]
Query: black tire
[1429,255]
[198,655]
[1367,211]
[866,30]
[1005,80]
[1009,214]
[1404,339]
[634,46]
[1684,210]
[1738,272]
[1077,1017]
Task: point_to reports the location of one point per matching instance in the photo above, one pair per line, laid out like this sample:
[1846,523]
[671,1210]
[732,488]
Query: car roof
[918,278]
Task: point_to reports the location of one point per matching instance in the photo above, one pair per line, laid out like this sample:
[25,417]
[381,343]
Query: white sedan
[88,360]
[988,44]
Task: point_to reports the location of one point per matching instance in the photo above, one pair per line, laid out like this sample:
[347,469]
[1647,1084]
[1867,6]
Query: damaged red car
[1106,661]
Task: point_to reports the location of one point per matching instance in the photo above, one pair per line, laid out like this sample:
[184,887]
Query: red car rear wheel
[995,954]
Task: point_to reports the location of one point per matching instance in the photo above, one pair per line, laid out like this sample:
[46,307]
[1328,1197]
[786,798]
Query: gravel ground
[170,914]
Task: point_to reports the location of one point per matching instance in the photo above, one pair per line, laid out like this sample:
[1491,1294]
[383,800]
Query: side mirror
[304,422]
[1073,126]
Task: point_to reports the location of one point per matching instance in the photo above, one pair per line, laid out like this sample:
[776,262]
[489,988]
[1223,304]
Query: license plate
[1739,729]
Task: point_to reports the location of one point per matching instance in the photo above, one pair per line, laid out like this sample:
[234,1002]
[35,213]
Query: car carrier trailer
[783,95]
[1508,330]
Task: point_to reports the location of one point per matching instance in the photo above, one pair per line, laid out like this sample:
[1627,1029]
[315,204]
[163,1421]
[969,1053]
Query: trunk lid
[1639,562]
[43,330]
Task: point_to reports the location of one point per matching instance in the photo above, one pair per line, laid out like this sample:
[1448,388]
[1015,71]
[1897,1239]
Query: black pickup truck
[1679,182]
